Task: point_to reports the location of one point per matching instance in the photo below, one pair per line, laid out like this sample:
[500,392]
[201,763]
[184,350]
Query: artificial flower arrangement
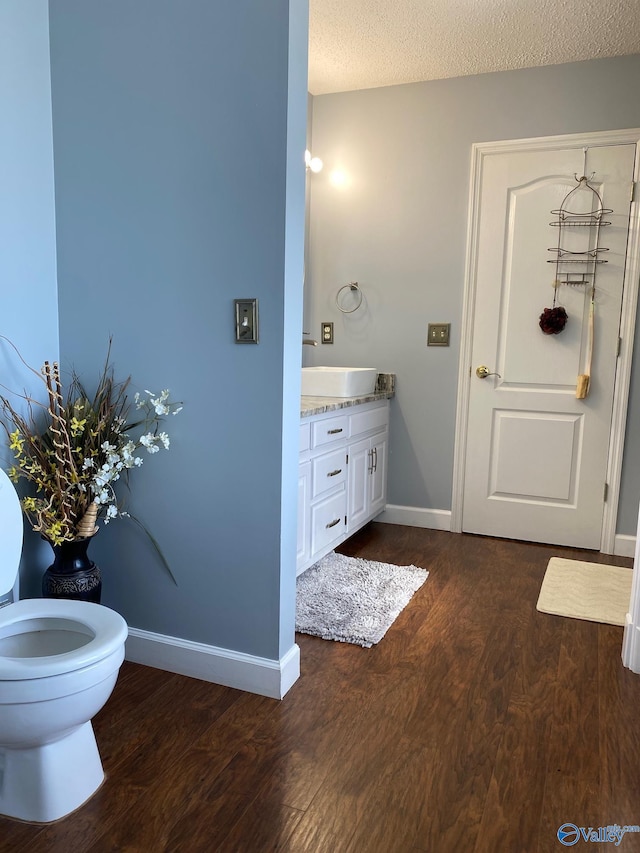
[76,449]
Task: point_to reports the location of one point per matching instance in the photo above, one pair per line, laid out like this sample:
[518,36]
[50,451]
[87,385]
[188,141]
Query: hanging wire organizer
[590,258]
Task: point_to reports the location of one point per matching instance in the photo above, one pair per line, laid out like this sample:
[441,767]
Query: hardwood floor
[477,724]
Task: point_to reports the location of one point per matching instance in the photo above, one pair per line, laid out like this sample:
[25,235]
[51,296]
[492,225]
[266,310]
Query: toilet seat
[105,629]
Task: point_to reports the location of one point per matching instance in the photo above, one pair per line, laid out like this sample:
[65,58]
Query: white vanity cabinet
[342,476]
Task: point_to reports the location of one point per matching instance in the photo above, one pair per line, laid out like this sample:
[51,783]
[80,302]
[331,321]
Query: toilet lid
[107,630]
[11,529]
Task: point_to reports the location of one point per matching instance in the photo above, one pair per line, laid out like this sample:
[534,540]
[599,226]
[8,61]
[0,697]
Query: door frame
[627,323]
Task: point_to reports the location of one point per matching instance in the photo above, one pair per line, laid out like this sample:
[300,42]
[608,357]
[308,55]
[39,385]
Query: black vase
[72,574]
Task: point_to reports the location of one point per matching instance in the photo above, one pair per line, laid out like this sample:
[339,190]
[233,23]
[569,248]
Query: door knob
[483,371]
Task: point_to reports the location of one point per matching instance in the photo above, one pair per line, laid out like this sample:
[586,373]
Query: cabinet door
[379,474]
[359,482]
[304,515]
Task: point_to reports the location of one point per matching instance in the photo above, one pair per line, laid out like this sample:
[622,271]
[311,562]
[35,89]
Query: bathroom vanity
[342,481]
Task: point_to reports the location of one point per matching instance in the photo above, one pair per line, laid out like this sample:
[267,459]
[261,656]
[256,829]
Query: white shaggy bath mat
[353,600]
[589,591]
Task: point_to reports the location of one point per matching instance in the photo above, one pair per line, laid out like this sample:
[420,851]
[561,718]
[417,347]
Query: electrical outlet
[246,321]
[438,334]
[326,333]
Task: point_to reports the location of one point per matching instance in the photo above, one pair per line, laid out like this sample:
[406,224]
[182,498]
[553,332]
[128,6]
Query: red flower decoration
[553,320]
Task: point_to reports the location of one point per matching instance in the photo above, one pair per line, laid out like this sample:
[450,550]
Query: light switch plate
[438,334]
[246,321]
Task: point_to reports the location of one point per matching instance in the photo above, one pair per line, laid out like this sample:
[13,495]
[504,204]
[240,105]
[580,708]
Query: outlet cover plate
[326,333]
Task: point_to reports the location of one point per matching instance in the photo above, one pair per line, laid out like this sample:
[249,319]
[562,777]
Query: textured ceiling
[361,44]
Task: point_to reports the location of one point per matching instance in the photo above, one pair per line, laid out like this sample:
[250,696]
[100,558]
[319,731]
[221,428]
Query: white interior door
[536,456]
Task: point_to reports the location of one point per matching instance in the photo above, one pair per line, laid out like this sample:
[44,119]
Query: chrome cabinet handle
[370,463]
[334,473]
[375,457]
[333,431]
[332,523]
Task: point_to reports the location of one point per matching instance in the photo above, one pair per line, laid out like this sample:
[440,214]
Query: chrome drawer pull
[334,473]
[332,523]
[333,431]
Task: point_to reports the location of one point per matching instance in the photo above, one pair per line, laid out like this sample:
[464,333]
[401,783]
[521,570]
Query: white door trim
[627,327]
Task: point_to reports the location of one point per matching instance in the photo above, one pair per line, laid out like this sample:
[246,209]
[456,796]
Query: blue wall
[29,315]
[178,132]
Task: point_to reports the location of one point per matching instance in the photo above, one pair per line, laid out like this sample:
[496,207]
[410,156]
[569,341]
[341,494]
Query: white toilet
[59,662]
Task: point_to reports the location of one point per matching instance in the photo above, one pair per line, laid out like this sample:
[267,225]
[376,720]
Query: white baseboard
[624,546]
[209,663]
[440,519]
[415,516]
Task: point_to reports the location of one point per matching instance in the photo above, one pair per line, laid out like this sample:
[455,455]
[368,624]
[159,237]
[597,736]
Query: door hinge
[618,350]
[347,462]
[634,184]
[606,491]
[345,519]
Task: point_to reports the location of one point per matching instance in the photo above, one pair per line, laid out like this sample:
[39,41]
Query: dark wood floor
[477,724]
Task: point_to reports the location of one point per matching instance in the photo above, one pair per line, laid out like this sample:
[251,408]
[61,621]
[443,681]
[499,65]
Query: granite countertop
[384,390]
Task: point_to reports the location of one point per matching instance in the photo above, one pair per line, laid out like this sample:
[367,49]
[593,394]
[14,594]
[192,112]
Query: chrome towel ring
[353,287]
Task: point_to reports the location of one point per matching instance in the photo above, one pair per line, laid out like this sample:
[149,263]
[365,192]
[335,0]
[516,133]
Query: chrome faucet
[310,343]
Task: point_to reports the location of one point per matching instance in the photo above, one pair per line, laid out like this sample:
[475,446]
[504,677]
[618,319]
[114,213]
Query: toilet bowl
[59,662]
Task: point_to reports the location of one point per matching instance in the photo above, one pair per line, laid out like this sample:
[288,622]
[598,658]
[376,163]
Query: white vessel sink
[338,381]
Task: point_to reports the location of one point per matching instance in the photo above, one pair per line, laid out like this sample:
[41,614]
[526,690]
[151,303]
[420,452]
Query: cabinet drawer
[329,470]
[367,421]
[331,429]
[327,521]
[305,436]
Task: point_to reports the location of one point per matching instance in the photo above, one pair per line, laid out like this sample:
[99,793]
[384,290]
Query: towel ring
[352,286]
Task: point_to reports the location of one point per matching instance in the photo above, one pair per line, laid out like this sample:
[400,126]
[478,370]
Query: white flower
[127,454]
[138,461]
[159,403]
[112,512]
[164,438]
[175,411]
[147,440]
[87,463]
[107,447]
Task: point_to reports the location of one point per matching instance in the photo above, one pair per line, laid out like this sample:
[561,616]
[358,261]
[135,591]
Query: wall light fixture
[313,163]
